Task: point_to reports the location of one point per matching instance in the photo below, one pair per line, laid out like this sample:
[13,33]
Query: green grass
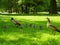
[13,35]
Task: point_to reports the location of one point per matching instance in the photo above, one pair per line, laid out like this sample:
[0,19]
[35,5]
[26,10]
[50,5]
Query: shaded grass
[31,14]
[12,35]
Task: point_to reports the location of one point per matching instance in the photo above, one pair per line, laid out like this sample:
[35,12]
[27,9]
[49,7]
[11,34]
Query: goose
[16,22]
[51,26]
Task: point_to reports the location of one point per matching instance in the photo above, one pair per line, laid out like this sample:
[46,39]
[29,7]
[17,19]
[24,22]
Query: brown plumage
[16,22]
[49,25]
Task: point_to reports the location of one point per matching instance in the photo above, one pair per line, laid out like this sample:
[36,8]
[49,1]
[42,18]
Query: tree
[10,5]
[53,7]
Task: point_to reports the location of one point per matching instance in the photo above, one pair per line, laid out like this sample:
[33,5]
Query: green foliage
[9,4]
[17,5]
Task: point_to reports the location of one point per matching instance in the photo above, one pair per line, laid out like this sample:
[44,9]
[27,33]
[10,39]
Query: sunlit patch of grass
[28,35]
[38,18]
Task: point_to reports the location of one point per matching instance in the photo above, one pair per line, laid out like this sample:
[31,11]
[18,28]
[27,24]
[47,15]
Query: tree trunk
[53,7]
[26,10]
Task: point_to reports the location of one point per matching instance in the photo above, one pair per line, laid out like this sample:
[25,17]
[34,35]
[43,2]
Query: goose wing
[54,27]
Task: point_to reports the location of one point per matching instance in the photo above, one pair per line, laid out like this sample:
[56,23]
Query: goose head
[48,20]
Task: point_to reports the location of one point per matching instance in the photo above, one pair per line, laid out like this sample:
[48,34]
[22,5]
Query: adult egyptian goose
[49,25]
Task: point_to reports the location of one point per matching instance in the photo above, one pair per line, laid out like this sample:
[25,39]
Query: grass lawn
[12,35]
